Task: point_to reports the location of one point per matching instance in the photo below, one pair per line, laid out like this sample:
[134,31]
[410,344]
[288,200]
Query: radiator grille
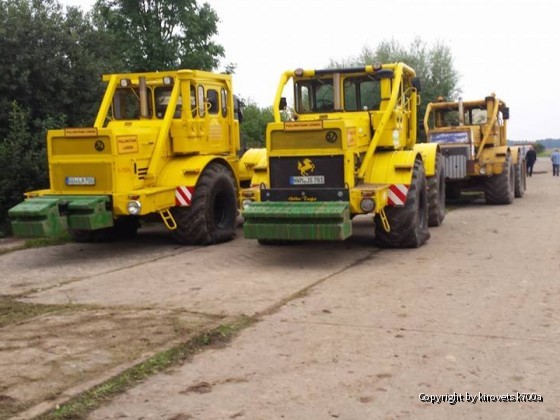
[307,172]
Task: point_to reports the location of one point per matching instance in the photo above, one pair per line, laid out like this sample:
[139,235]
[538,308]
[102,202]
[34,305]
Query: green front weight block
[297,221]
[51,216]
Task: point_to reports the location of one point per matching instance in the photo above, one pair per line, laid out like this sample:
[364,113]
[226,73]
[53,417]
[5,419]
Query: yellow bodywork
[480,124]
[154,133]
[377,145]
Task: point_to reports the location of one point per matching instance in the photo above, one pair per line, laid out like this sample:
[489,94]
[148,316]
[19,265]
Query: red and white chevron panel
[397,194]
[183,196]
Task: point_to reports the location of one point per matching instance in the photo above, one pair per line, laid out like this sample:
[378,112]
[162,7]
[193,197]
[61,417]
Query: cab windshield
[359,93]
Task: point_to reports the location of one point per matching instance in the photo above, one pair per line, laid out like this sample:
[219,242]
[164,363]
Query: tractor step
[297,221]
[51,216]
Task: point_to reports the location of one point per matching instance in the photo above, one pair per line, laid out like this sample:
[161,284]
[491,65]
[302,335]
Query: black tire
[408,224]
[92,236]
[452,191]
[436,194]
[520,178]
[81,236]
[211,217]
[499,189]
[126,227]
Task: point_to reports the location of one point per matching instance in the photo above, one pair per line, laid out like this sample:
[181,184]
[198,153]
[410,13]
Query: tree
[51,63]
[434,67]
[152,35]
[23,163]
[539,147]
[253,129]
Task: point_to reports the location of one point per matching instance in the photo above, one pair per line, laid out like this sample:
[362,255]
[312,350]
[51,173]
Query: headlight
[482,171]
[367,204]
[134,207]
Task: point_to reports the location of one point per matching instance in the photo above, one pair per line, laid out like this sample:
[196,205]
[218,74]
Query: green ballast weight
[297,221]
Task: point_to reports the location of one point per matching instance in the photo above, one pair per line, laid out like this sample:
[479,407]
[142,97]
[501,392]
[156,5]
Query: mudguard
[429,152]
[251,159]
[392,167]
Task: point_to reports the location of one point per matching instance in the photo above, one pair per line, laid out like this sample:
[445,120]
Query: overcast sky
[508,47]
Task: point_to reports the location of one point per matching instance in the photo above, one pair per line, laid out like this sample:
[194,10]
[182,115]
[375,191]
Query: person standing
[530,159]
[555,158]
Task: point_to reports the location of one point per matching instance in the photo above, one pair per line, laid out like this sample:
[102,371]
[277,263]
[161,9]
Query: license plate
[80,180]
[307,180]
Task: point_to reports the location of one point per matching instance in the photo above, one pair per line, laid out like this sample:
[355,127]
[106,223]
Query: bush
[23,162]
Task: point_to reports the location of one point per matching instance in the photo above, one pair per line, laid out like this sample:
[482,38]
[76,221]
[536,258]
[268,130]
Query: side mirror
[505,113]
[416,84]
[238,108]
[283,104]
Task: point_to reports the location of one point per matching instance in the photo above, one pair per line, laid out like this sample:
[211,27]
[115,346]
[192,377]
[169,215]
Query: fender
[259,174]
[251,159]
[429,152]
[185,171]
[516,155]
[495,154]
[392,167]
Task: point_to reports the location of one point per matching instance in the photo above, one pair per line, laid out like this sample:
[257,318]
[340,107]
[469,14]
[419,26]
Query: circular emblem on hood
[331,136]
[99,146]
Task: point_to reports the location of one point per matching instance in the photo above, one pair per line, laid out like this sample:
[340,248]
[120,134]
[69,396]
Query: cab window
[193,101]
[126,104]
[200,101]
[316,95]
[224,102]
[212,96]
[161,98]
[361,94]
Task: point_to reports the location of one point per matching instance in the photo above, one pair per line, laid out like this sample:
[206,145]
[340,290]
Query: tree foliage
[152,35]
[53,58]
[253,129]
[50,63]
[539,147]
[23,163]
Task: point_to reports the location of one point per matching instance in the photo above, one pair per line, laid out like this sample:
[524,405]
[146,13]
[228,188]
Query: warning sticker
[127,144]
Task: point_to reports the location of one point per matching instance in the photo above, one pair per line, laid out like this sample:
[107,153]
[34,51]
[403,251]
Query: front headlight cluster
[133,207]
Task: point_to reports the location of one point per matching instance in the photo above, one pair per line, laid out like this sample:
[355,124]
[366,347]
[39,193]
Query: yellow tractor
[347,147]
[164,144]
[472,137]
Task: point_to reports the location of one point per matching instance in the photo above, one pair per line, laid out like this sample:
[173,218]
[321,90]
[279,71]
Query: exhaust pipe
[461,112]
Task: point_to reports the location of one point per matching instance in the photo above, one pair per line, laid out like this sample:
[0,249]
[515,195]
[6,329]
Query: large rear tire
[499,189]
[436,194]
[520,178]
[211,217]
[408,224]
[126,227]
[452,191]
[93,236]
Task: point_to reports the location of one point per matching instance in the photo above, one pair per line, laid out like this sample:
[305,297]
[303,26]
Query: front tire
[499,189]
[436,194]
[408,224]
[520,178]
[211,217]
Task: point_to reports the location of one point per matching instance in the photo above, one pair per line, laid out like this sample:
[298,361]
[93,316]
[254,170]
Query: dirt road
[345,330]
